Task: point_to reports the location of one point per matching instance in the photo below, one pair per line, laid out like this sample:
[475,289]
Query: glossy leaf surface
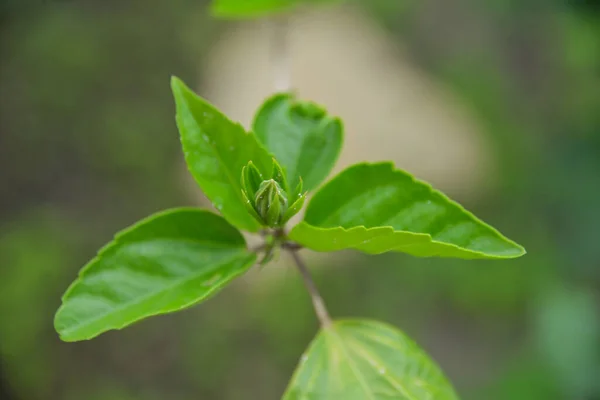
[164,263]
[376,208]
[366,360]
[303,138]
[216,150]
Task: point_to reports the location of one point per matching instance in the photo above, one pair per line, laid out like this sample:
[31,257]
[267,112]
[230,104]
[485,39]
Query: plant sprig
[258,181]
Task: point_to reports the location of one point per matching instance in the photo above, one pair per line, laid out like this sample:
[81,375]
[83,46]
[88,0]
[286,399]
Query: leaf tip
[511,250]
[176,83]
[520,250]
[180,89]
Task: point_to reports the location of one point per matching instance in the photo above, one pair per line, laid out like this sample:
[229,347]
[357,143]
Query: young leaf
[303,138]
[376,208]
[164,263]
[216,150]
[253,8]
[359,359]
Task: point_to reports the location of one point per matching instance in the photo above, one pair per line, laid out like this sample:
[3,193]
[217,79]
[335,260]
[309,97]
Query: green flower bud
[271,203]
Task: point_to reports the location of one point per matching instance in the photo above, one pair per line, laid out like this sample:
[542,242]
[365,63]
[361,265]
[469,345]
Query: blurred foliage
[88,145]
[570,316]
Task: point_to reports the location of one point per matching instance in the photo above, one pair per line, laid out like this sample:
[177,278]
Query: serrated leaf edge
[116,241]
[387,230]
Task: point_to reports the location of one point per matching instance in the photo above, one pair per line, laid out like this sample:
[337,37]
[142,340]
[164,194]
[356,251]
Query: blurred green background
[88,145]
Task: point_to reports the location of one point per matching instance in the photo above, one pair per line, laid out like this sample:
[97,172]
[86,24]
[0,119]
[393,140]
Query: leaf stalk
[317,300]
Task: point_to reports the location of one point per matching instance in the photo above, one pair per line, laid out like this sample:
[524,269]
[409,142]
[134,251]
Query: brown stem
[317,300]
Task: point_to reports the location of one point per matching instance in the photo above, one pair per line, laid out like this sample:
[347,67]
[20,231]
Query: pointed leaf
[164,263]
[216,149]
[376,208]
[303,138]
[366,360]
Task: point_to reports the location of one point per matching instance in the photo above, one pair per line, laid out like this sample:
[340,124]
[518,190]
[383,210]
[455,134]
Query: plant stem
[317,300]
[280,56]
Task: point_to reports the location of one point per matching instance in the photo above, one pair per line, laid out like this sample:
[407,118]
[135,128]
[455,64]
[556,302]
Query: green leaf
[164,263]
[216,150]
[375,208]
[253,8]
[257,8]
[303,138]
[366,360]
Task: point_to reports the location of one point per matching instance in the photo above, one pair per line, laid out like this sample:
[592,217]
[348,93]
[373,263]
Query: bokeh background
[495,102]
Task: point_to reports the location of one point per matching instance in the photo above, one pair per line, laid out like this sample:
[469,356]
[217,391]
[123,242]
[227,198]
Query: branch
[317,300]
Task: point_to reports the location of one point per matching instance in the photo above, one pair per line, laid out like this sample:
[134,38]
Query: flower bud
[271,203]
